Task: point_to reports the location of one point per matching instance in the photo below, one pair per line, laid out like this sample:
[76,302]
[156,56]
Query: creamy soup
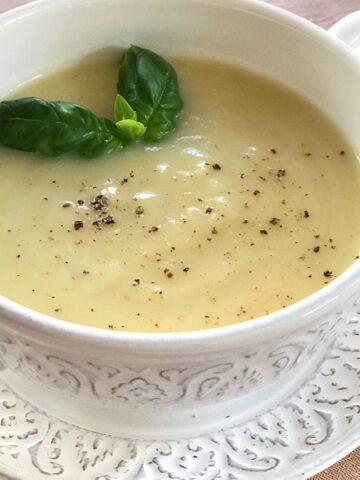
[251,205]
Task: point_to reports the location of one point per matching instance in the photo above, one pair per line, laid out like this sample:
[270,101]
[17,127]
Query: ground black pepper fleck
[306,214]
[216,166]
[316,249]
[108,220]
[78,224]
[328,273]
[99,202]
[274,221]
[264,232]
[139,210]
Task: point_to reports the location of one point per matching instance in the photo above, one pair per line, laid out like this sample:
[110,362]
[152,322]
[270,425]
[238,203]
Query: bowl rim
[279,321]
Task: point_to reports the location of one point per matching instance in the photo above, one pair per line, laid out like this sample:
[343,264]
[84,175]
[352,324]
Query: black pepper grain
[108,220]
[78,224]
[99,202]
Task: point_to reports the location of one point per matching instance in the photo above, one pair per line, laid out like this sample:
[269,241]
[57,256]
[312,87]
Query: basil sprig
[146,109]
[149,84]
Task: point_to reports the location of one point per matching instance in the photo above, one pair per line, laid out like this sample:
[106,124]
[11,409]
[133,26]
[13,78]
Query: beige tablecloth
[349,467]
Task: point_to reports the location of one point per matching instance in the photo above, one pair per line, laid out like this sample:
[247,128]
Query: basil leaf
[55,128]
[149,84]
[122,110]
[131,129]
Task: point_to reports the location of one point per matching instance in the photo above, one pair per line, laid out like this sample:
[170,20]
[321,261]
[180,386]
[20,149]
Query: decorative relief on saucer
[280,443]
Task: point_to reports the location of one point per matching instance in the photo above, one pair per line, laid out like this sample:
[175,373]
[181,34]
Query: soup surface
[251,205]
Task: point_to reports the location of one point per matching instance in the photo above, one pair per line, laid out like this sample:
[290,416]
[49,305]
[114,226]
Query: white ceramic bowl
[130,383]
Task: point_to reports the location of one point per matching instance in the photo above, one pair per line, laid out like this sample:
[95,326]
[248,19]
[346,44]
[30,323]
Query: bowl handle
[348,30]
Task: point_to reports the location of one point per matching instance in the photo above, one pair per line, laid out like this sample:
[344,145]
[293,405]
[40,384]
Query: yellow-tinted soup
[251,205]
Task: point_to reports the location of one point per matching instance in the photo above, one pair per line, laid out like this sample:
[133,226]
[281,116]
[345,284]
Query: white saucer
[312,429]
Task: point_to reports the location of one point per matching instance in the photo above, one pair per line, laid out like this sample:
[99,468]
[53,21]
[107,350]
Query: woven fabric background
[347,469]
